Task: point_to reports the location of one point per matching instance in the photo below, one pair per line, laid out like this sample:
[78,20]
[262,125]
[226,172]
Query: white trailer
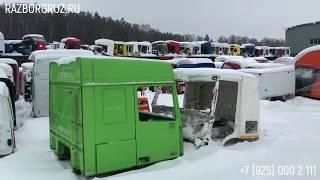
[7,140]
[40,82]
[276,82]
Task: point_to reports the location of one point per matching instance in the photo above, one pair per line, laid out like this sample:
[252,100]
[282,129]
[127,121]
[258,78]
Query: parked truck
[95,118]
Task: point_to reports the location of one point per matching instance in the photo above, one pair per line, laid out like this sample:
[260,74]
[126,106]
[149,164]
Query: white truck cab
[7,140]
[216,106]
[106,45]
[40,81]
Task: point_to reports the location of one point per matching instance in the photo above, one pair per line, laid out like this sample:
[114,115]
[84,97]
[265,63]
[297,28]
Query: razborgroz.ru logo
[22,8]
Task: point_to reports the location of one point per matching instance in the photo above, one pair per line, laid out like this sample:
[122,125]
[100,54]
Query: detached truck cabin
[95,117]
[7,140]
[12,93]
[40,79]
[308,72]
[218,105]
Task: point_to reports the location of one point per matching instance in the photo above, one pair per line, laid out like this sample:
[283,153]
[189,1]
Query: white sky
[253,18]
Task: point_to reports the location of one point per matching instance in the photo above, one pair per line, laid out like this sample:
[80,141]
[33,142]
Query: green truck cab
[94,115]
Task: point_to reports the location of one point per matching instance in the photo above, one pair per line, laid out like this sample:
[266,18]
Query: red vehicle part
[229,65]
[143,104]
[41,45]
[173,47]
[71,43]
[310,62]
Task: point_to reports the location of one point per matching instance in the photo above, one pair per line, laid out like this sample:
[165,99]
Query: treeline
[91,26]
[233,39]
[85,25]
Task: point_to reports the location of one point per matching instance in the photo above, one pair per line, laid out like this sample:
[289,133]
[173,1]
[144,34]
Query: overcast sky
[253,18]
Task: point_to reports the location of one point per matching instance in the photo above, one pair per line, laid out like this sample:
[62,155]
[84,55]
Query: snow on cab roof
[8,61]
[243,62]
[189,60]
[285,60]
[33,35]
[67,38]
[14,41]
[70,59]
[103,42]
[47,56]
[263,65]
[283,68]
[59,52]
[144,43]
[307,51]
[206,74]
[224,58]
[28,65]
[160,41]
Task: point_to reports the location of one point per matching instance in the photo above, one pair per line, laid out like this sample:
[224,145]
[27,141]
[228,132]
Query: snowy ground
[290,135]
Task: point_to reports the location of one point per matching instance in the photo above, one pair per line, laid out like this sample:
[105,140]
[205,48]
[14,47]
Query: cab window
[155,103]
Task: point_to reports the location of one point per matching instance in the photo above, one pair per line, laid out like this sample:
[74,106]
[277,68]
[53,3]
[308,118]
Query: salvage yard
[289,137]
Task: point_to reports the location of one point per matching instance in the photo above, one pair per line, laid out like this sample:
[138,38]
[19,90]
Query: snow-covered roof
[287,68]
[8,61]
[155,42]
[285,60]
[4,90]
[69,38]
[307,51]
[70,59]
[226,45]
[33,35]
[224,58]
[132,42]
[247,44]
[119,42]
[144,43]
[216,44]
[257,65]
[206,74]
[59,52]
[77,52]
[243,62]
[190,60]
[15,41]
[28,65]
[262,47]
[172,41]
[261,58]
[104,42]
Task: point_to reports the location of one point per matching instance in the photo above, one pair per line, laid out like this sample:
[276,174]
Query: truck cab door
[158,134]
